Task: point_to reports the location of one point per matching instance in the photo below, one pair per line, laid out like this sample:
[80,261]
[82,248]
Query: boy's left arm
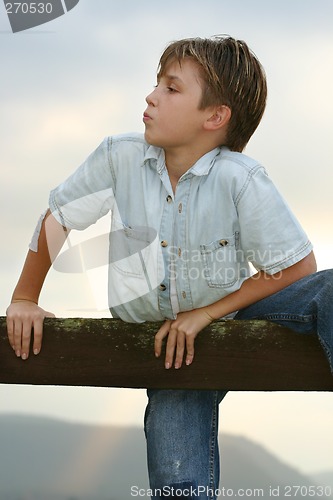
[182,331]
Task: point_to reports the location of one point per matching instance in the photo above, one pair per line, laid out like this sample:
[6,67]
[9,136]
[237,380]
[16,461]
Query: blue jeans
[181,429]
[181,426]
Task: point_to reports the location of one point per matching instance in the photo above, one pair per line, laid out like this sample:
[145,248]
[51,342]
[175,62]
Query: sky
[67,84]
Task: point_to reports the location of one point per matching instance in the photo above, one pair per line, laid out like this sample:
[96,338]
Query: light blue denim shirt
[225,219]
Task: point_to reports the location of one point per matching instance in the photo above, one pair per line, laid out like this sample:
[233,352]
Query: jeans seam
[213,444]
[288,317]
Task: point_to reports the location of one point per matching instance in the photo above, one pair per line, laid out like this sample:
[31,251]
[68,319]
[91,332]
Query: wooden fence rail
[234,355]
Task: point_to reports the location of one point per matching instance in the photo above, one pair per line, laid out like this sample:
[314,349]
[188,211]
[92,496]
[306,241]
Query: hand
[22,316]
[181,333]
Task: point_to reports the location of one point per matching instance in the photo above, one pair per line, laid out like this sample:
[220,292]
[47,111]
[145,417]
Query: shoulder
[130,142]
[234,163]
[242,176]
[241,173]
[126,151]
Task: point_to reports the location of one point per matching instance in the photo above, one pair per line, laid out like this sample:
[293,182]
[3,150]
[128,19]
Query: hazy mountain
[245,464]
[45,459]
[325,478]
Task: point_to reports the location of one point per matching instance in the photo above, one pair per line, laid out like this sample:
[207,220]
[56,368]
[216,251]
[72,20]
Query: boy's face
[173,118]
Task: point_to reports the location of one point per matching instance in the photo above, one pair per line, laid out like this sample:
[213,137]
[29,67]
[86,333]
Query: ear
[219,118]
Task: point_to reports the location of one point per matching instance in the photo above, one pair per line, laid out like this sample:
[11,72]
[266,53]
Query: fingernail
[167,366]
[177,365]
[36,351]
[188,362]
[18,353]
[24,356]
[156,355]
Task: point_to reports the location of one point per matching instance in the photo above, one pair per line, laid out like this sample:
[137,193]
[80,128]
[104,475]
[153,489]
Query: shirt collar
[157,155]
[205,163]
[201,167]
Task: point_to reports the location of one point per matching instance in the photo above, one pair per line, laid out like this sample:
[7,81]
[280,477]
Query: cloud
[63,91]
[68,84]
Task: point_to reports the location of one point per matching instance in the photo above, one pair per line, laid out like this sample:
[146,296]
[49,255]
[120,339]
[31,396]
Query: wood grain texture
[232,355]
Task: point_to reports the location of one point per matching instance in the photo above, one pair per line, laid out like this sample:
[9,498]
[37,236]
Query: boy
[213,211]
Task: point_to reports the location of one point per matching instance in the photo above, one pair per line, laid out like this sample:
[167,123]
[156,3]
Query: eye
[171,89]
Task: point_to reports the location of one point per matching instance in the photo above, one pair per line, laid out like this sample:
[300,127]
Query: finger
[180,350]
[49,314]
[10,331]
[38,331]
[38,335]
[189,350]
[17,337]
[160,335]
[171,346]
[26,336]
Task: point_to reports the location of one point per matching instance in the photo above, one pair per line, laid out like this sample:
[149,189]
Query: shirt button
[169,198]
[223,243]
[179,252]
[164,243]
[162,287]
[180,208]
[184,295]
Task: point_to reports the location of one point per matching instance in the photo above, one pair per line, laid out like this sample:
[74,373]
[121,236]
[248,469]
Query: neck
[177,166]
[177,163]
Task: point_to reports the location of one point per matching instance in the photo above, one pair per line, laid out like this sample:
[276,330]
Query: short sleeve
[87,194]
[271,237]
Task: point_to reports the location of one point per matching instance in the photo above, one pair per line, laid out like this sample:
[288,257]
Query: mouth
[146,117]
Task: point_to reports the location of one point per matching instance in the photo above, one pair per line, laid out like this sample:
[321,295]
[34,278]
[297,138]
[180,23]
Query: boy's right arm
[24,314]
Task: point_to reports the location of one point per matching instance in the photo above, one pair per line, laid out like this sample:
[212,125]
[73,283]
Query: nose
[151,99]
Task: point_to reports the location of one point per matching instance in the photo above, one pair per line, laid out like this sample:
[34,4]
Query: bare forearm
[24,314]
[261,285]
[32,278]
[37,264]
[182,331]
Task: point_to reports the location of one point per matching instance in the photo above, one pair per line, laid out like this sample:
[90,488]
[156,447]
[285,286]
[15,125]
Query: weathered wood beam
[234,355]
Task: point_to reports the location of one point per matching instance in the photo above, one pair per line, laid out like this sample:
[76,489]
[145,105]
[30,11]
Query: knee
[325,278]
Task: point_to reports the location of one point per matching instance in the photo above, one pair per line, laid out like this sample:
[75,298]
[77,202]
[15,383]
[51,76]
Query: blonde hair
[232,76]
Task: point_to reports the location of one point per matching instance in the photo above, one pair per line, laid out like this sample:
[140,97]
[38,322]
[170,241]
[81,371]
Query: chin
[150,140]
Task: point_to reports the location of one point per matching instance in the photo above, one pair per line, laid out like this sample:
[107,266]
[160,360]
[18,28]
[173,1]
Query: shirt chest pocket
[220,263]
[132,249]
